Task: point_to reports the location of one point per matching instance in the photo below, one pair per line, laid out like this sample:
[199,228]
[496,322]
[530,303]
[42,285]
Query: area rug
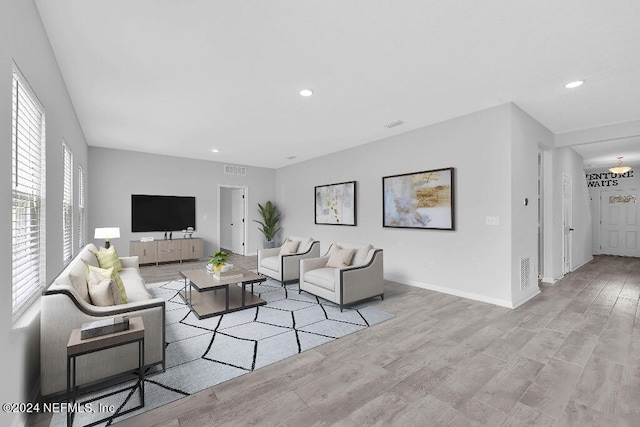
[203,353]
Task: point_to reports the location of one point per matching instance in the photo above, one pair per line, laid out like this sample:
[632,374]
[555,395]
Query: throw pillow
[340,258]
[109,258]
[79,283]
[103,291]
[112,274]
[290,247]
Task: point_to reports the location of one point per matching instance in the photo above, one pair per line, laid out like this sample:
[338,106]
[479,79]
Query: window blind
[67,204]
[81,209]
[28,194]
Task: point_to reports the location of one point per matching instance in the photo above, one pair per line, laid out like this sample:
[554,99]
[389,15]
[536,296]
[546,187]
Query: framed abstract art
[423,200]
[335,204]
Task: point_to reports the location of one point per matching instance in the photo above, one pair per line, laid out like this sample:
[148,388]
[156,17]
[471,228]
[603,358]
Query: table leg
[243,291]
[141,369]
[227,298]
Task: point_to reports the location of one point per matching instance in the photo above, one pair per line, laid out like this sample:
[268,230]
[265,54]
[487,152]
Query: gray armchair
[283,266]
[357,280]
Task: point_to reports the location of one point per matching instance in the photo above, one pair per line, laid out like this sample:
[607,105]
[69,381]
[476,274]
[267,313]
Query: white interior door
[237,220]
[619,222]
[567,222]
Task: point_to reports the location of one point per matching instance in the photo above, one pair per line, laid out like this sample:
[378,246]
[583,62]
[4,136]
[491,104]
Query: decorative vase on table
[218,260]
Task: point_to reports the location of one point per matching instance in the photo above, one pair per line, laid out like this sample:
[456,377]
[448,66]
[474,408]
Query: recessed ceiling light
[215,150]
[574,84]
[306,92]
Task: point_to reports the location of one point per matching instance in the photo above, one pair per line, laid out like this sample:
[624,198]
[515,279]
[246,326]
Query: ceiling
[184,77]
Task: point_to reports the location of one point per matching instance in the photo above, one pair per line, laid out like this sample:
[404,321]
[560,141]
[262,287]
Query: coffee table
[209,296]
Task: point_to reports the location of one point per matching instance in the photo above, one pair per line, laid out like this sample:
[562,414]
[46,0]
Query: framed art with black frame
[335,204]
[422,200]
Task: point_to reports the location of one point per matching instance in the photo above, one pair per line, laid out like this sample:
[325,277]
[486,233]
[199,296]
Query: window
[82,239]
[28,194]
[67,204]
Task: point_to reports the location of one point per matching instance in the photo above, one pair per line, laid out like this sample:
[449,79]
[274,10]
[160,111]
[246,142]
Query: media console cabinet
[172,250]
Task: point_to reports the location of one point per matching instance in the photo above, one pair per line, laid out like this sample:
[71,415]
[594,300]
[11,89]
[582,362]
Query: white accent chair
[285,268]
[360,280]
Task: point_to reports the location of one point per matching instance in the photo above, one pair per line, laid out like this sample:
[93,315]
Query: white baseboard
[584,263]
[549,280]
[526,298]
[455,292]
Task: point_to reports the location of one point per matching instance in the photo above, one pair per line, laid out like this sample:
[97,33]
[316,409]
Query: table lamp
[107,233]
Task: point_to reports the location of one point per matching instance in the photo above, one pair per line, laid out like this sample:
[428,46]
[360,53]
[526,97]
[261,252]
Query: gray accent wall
[494,153]
[23,40]
[114,175]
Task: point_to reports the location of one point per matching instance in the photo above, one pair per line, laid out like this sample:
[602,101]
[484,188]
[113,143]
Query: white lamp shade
[107,233]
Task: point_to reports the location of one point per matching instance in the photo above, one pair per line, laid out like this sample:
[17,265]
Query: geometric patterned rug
[203,353]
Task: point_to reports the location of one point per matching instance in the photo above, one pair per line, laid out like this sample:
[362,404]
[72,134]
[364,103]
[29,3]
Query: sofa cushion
[103,290]
[362,251]
[323,277]
[77,276]
[290,247]
[340,257]
[110,273]
[136,289]
[108,258]
[305,243]
[272,263]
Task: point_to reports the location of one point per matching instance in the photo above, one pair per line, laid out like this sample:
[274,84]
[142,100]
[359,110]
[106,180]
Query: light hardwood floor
[570,356]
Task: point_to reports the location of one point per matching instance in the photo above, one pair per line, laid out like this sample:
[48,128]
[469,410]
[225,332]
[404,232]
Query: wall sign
[606,179]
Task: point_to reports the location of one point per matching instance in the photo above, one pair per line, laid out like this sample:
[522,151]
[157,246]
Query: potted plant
[269,223]
[218,259]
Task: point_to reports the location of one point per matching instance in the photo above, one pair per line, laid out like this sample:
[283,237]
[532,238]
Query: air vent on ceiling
[394,124]
[235,170]
[525,272]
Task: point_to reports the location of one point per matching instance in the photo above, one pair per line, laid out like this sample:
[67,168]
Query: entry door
[567,222]
[237,221]
[619,225]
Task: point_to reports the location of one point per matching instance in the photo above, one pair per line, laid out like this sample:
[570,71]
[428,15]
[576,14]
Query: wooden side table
[78,347]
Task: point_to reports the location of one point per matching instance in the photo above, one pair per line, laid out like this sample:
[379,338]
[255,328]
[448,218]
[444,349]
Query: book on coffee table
[229,274]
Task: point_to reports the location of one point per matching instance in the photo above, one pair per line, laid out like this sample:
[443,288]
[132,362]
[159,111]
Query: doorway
[567,222]
[232,214]
[619,224]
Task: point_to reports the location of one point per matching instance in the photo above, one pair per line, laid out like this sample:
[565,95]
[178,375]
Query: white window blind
[28,194]
[67,204]
[81,210]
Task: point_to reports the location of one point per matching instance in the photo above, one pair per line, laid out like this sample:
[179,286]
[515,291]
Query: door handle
[570,229]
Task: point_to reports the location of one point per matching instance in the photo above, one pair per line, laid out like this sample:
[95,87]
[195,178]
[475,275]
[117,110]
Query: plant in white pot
[269,224]
[218,260]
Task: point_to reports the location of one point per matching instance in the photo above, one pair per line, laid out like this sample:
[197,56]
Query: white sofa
[286,268]
[346,285]
[63,308]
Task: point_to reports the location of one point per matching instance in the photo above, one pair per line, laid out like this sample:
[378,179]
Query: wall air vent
[525,273]
[235,170]
[394,124]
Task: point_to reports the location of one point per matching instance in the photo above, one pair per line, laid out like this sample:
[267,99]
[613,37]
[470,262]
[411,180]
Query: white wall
[472,261]
[115,175]
[631,181]
[527,135]
[23,40]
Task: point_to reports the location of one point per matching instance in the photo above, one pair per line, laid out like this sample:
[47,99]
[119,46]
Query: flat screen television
[162,213]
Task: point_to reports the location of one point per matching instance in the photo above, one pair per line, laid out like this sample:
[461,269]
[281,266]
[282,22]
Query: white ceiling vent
[235,170]
[394,124]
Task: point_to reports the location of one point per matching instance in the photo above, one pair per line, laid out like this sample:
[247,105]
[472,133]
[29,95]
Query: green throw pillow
[108,258]
[110,273]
